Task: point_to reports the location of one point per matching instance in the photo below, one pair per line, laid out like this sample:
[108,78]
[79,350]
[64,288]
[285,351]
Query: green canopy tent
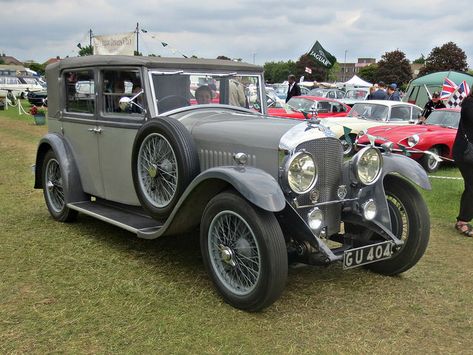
[419,90]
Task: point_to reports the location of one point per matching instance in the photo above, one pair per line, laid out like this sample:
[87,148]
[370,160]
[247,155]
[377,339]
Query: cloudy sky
[254,30]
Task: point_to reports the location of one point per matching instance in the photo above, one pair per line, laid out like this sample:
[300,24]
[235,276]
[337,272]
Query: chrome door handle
[95,130]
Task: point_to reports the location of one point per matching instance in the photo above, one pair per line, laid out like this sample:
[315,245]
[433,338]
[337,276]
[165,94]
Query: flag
[458,95]
[346,133]
[308,70]
[448,89]
[322,56]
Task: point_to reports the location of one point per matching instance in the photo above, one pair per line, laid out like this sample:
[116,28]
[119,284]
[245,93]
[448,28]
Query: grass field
[89,287]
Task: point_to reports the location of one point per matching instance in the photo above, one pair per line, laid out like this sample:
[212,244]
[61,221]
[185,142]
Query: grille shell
[328,155]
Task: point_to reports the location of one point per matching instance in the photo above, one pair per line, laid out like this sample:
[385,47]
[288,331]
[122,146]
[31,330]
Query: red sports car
[298,105]
[436,135]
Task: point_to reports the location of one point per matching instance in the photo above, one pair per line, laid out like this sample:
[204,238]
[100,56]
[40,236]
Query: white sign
[117,44]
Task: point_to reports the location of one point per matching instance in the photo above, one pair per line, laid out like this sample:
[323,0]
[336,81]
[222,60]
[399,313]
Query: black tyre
[429,163]
[410,222]
[244,252]
[53,189]
[164,162]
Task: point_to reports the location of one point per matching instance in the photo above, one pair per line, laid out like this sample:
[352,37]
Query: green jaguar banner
[322,56]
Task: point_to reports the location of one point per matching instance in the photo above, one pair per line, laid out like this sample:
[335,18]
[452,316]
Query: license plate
[367,254]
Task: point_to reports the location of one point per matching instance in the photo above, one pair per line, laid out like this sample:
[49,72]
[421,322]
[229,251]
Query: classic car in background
[38,98]
[436,135]
[19,86]
[329,93]
[353,96]
[301,107]
[366,114]
[261,190]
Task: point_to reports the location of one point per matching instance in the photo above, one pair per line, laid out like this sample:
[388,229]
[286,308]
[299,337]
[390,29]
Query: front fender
[253,184]
[72,183]
[406,167]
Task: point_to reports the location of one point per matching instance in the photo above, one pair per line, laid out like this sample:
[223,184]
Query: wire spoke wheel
[54,188]
[234,252]
[410,223]
[244,251]
[157,170]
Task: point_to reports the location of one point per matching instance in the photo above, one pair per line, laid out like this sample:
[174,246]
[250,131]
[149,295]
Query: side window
[416,112]
[80,91]
[336,107]
[400,113]
[324,106]
[122,92]
[331,95]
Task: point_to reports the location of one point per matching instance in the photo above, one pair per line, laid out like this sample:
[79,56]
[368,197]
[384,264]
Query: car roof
[317,98]
[386,103]
[153,62]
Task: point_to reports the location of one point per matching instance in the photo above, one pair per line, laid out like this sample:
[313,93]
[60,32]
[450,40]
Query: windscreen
[177,90]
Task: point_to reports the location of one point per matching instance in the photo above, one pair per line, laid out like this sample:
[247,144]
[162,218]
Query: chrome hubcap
[227,255]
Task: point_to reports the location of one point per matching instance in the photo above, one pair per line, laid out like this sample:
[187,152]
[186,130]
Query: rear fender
[73,187]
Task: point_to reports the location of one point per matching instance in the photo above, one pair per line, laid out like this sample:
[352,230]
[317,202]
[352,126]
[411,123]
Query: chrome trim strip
[102,218]
[328,203]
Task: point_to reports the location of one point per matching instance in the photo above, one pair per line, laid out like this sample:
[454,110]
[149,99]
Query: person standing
[393,94]
[465,135]
[433,104]
[293,89]
[380,94]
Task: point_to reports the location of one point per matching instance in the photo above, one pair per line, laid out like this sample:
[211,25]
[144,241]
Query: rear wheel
[53,189]
[244,252]
[410,222]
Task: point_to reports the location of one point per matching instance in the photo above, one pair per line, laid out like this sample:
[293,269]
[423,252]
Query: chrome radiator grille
[328,155]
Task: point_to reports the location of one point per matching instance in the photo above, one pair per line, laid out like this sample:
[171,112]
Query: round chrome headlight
[413,140]
[368,165]
[301,172]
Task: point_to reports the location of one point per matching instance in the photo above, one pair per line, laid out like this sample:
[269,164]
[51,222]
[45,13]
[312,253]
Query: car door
[118,126]
[80,129]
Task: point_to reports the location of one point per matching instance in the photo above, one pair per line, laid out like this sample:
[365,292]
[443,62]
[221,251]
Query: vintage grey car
[163,146]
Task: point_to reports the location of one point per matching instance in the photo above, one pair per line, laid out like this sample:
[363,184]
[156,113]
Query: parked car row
[263,191]
[429,143]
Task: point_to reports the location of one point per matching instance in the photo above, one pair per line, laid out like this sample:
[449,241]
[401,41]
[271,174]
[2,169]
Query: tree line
[393,67]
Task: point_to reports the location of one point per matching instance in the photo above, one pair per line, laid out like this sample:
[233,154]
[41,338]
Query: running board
[122,216]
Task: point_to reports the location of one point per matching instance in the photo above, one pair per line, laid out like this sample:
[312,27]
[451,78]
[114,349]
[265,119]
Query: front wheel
[429,162]
[244,252]
[410,222]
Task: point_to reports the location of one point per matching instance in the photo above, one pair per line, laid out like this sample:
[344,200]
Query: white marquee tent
[357,82]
